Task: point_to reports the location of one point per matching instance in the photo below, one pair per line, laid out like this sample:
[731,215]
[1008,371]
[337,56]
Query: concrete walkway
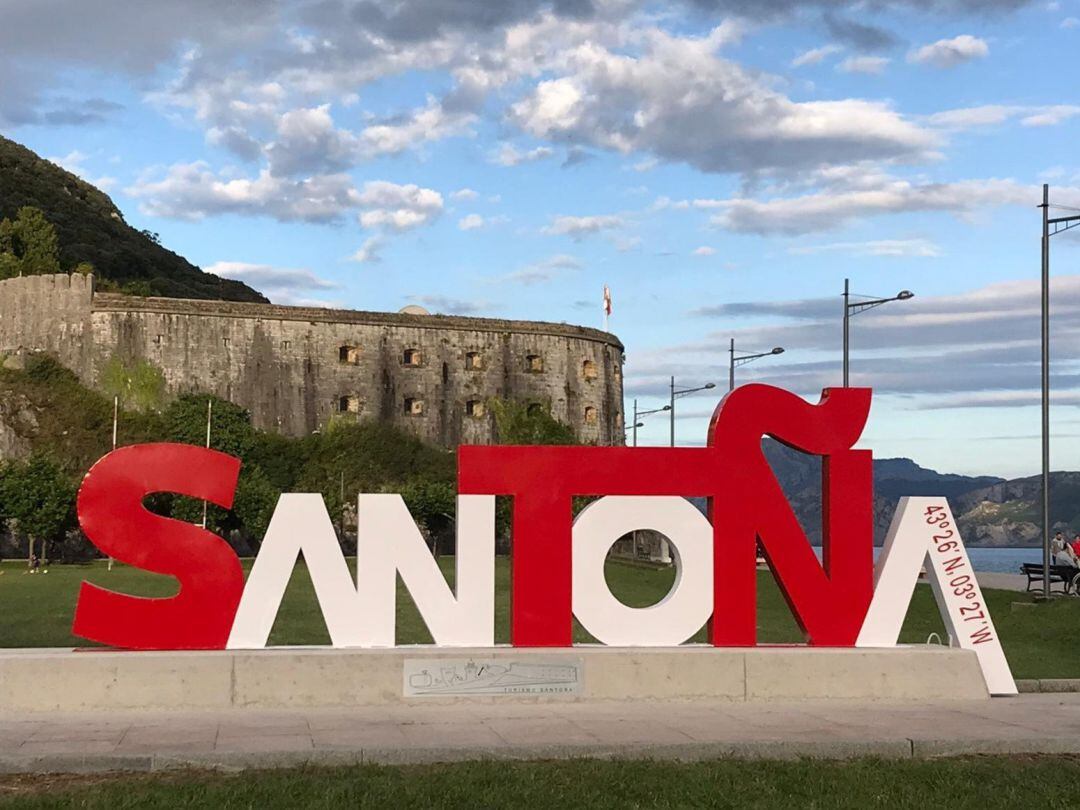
[1037,723]
[1004,582]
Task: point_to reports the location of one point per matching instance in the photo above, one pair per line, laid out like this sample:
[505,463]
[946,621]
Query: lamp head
[710,385]
[778,350]
[904,295]
[666,408]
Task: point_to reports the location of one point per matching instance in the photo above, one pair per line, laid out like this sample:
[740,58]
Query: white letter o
[686,607]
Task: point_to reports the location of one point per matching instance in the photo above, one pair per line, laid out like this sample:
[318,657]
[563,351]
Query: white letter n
[388,544]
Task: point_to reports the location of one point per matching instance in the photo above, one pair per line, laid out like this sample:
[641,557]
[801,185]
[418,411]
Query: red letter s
[111,513]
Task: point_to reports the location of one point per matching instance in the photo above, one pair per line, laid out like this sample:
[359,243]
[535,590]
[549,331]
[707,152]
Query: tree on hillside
[28,245]
[254,502]
[90,228]
[230,432]
[230,429]
[36,498]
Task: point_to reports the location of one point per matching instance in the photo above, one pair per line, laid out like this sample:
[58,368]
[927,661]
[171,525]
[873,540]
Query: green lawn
[1044,782]
[35,611]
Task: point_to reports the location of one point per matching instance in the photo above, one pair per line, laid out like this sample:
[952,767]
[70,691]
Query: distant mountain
[1010,512]
[800,477]
[895,477]
[989,511]
[91,229]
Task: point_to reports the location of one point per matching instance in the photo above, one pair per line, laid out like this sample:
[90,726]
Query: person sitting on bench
[1063,552]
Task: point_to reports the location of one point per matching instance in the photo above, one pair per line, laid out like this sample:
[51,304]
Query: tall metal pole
[115,424]
[633,534]
[846,318]
[1046,389]
[731,368]
[672,411]
[209,416]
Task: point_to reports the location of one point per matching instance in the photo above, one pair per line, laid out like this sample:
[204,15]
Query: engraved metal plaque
[457,677]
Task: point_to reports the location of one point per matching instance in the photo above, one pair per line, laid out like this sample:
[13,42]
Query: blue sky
[722,166]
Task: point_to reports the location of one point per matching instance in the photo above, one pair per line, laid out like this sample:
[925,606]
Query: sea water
[998,559]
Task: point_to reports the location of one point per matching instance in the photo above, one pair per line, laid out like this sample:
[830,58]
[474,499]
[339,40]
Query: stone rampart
[296,367]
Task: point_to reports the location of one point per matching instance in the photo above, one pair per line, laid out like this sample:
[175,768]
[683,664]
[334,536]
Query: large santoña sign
[843,600]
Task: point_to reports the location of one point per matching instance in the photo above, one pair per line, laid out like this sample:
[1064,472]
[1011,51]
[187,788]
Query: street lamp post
[1060,224]
[859,306]
[682,393]
[743,360]
[638,414]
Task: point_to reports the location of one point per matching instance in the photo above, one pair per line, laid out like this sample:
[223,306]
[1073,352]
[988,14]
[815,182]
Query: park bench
[1064,575]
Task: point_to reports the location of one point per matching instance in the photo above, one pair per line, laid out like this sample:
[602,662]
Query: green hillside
[92,229]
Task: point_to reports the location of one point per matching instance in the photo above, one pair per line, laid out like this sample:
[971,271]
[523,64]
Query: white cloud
[869,65]
[308,142]
[947,53]
[824,210]
[815,56]
[429,123]
[1070,22]
[368,252]
[442,304]
[993,114]
[541,271]
[464,194]
[281,285]
[509,155]
[398,207]
[704,250]
[968,117]
[1051,116]
[578,227]
[960,350]
[73,162]
[470,222]
[921,248]
[193,191]
[681,102]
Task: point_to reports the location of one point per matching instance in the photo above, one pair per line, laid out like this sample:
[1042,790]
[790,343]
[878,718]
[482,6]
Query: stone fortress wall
[295,367]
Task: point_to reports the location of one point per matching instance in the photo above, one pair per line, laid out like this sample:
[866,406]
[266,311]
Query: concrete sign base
[298,677]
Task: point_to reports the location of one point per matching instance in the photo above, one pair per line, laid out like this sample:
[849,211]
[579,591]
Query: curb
[1048,685]
[895,749]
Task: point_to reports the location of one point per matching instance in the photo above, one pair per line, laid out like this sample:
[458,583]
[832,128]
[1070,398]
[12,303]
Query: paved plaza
[1031,723]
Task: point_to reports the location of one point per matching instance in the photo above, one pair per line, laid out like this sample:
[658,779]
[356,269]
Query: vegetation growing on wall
[528,423]
[139,385]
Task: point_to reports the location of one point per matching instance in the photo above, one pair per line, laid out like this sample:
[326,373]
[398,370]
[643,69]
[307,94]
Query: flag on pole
[607,300]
